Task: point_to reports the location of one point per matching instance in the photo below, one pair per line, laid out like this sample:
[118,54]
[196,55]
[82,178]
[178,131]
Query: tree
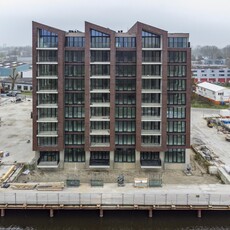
[13,78]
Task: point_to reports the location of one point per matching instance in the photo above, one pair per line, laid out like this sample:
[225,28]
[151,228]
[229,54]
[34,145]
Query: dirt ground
[199,175]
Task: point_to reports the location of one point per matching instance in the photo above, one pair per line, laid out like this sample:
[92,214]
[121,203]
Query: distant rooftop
[211,87]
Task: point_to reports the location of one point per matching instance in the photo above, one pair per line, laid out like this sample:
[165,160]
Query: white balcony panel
[100,91]
[100,118]
[100,63]
[100,77]
[151,105]
[100,104]
[150,118]
[47,120]
[53,106]
[47,134]
[151,63]
[151,77]
[150,133]
[151,91]
[51,91]
[99,144]
[100,132]
[46,48]
[47,63]
[154,49]
[47,77]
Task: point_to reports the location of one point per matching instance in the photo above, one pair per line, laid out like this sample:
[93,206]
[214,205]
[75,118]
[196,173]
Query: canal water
[114,220]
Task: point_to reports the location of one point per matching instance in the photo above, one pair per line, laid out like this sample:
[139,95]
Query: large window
[74,84]
[125,99]
[151,98]
[74,112]
[178,42]
[151,84]
[74,70]
[126,139]
[99,97]
[128,42]
[47,98]
[125,112]
[151,56]
[74,56]
[100,56]
[47,84]
[125,84]
[99,39]
[74,139]
[47,126]
[47,39]
[49,156]
[150,40]
[74,155]
[100,111]
[74,126]
[47,56]
[176,112]
[176,98]
[47,112]
[151,111]
[47,141]
[124,155]
[75,41]
[99,140]
[47,70]
[99,84]
[177,85]
[151,140]
[126,70]
[176,126]
[175,156]
[125,126]
[152,70]
[99,125]
[126,56]
[176,56]
[176,139]
[74,98]
[150,156]
[176,71]
[100,70]
[151,125]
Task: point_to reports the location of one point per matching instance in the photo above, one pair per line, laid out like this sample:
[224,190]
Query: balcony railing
[99,163]
[47,164]
[151,163]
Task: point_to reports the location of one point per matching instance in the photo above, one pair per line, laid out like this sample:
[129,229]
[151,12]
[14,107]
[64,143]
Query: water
[114,220]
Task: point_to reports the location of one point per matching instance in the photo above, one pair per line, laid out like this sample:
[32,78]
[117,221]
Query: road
[214,140]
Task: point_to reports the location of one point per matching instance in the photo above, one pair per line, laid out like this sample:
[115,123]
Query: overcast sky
[207,21]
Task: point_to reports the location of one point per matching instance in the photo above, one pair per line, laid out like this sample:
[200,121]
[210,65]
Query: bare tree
[13,78]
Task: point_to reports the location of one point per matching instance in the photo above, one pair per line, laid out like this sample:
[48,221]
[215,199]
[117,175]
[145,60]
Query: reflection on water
[114,220]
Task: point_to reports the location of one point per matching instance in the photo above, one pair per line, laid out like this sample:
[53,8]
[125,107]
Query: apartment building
[111,100]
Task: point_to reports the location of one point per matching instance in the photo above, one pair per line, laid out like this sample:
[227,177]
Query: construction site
[208,155]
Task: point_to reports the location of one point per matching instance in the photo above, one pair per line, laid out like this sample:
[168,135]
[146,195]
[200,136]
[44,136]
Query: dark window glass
[151,84]
[176,85]
[176,139]
[176,98]
[151,111]
[74,112]
[47,141]
[99,39]
[74,155]
[100,70]
[175,156]
[47,39]
[151,56]
[124,155]
[99,84]
[176,126]
[126,70]
[150,40]
[74,139]
[47,70]
[74,56]
[125,99]
[125,139]
[151,97]
[176,71]
[125,126]
[177,42]
[74,84]
[100,56]
[74,70]
[75,41]
[176,112]
[74,126]
[177,56]
[74,98]
[126,56]
[152,70]
[125,112]
[49,156]
[127,42]
[47,56]
[126,84]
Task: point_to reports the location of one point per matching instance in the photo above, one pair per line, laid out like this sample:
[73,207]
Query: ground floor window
[99,158]
[74,155]
[49,156]
[175,156]
[125,155]
[150,155]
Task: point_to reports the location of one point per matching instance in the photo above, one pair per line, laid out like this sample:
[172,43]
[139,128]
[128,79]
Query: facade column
[2,212]
[51,212]
[87,158]
[199,213]
[111,159]
[150,213]
[101,212]
[61,158]
[138,163]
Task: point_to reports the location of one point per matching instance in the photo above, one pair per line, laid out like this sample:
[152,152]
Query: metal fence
[62,198]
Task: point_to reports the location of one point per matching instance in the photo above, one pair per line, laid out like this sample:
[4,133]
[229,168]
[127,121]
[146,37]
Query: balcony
[100,132]
[47,164]
[99,163]
[151,164]
[47,134]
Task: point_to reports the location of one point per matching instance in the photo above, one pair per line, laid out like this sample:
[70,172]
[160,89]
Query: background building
[215,93]
[106,99]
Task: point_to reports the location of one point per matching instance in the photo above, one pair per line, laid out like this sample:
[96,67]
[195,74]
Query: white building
[221,75]
[214,93]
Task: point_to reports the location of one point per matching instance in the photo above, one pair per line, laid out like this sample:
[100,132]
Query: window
[151,84]
[99,139]
[150,40]
[150,140]
[47,141]
[49,156]
[126,139]
[125,84]
[125,70]
[176,71]
[176,98]
[47,39]
[126,56]
[176,126]
[151,111]
[47,112]
[47,84]
[74,155]
[74,98]
[176,85]
[125,99]
[175,139]
[125,112]
[99,84]
[100,56]
[152,70]
[47,98]
[74,70]
[128,42]
[125,126]
[99,98]
[74,139]
[74,112]
[74,56]
[99,125]
[178,42]
[100,70]
[75,42]
[176,56]
[100,111]
[151,56]
[151,98]
[175,156]
[74,84]
[176,112]
[151,125]
[47,70]
[74,126]
[150,155]
[47,56]
[124,155]
[99,39]
[47,126]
